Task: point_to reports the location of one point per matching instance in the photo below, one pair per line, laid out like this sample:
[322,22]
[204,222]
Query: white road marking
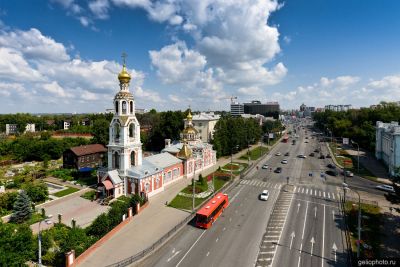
[329,196]
[298,207]
[234,197]
[208,253]
[216,240]
[223,229]
[312,245]
[292,235]
[305,220]
[315,192]
[323,240]
[333,214]
[302,190]
[197,240]
[334,249]
[298,189]
[301,248]
[315,212]
[319,193]
[333,195]
[174,254]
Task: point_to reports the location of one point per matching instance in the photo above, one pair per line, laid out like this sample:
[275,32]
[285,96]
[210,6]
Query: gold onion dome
[124,76]
[189,116]
[189,130]
[185,151]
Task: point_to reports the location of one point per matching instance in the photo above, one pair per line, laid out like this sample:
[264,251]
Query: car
[332,172]
[331,166]
[278,170]
[287,154]
[347,173]
[278,154]
[328,156]
[312,154]
[284,161]
[306,137]
[321,156]
[316,151]
[302,156]
[264,195]
[265,166]
[306,142]
[384,187]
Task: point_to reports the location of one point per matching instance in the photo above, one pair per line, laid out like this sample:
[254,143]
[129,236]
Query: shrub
[37,191]
[22,208]
[100,226]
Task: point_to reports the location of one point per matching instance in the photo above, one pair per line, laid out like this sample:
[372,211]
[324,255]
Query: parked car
[301,156]
[278,170]
[284,161]
[332,172]
[328,156]
[316,151]
[306,141]
[385,187]
[312,154]
[264,195]
[331,166]
[278,154]
[287,154]
[347,173]
[265,166]
[322,157]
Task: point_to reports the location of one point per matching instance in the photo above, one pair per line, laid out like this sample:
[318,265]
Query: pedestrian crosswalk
[317,193]
[261,184]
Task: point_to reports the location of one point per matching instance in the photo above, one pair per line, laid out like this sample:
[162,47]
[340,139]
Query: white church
[128,172]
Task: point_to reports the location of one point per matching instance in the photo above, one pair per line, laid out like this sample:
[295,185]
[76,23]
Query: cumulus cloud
[37,72]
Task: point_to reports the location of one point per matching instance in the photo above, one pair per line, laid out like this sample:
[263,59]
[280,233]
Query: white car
[264,195]
[302,156]
[284,161]
[278,154]
[388,188]
[265,166]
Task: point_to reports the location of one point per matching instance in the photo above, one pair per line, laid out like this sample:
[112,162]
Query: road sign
[345,141]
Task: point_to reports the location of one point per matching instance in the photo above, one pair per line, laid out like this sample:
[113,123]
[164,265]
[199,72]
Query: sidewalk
[149,225]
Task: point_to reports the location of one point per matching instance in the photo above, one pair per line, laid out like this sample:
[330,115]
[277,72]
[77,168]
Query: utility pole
[194,186]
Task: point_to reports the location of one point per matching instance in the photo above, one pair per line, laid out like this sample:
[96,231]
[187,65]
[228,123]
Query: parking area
[83,211]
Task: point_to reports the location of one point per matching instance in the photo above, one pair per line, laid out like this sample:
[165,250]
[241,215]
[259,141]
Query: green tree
[100,226]
[202,181]
[16,244]
[37,191]
[101,131]
[22,208]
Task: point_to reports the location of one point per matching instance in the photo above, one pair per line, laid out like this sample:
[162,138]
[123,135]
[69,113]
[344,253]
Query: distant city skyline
[63,56]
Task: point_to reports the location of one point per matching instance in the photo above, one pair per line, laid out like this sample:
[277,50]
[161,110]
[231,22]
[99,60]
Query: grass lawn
[65,192]
[365,173]
[181,202]
[198,188]
[370,225]
[255,153]
[235,168]
[89,195]
[36,217]
[219,182]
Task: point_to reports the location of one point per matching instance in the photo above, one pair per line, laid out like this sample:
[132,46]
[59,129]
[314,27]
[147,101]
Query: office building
[387,146]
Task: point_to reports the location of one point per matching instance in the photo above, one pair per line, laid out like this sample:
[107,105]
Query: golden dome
[189,116]
[185,151]
[189,130]
[124,76]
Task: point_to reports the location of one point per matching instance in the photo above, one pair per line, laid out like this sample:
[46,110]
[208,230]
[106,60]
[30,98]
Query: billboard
[271,136]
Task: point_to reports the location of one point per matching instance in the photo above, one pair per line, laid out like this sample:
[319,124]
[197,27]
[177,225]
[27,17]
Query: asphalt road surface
[299,225]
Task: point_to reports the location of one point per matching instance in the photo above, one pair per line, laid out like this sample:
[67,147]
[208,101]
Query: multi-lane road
[300,224]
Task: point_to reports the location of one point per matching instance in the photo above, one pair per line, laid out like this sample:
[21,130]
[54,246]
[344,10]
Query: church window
[147,187]
[132,130]
[116,132]
[133,158]
[116,160]
[116,107]
[124,107]
[131,107]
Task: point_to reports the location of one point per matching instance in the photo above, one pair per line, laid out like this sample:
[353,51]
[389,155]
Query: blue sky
[64,55]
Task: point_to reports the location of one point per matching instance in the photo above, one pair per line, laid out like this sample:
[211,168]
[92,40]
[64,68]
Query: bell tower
[124,146]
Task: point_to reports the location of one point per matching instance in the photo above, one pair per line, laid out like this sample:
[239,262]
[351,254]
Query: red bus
[210,212]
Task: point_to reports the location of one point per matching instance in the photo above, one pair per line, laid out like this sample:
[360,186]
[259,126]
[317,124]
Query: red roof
[88,149]
[108,185]
[212,204]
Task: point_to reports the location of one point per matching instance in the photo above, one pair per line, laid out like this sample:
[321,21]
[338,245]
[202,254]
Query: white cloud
[392,81]
[174,98]
[340,82]
[100,8]
[37,73]
[251,91]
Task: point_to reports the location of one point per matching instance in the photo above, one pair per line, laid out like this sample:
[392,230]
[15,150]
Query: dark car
[312,154]
[331,166]
[328,156]
[316,151]
[332,172]
[278,170]
[287,154]
[322,157]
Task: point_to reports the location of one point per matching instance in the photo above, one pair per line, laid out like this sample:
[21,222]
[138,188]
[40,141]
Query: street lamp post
[359,217]
[40,241]
[194,186]
[358,156]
